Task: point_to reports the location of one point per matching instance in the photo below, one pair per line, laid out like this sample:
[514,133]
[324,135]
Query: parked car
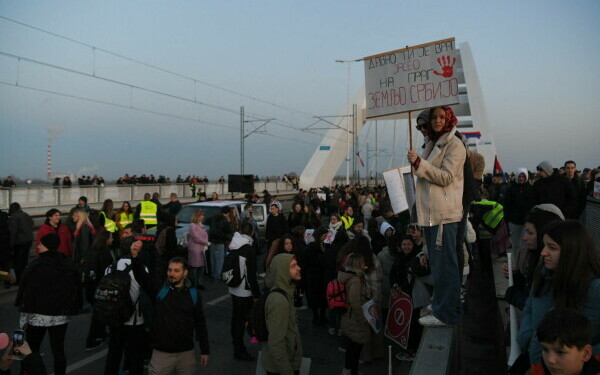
[214,207]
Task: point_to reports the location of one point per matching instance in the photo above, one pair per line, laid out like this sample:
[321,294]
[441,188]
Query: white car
[212,208]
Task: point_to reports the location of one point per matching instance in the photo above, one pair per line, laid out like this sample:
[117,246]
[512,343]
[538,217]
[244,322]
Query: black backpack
[231,272]
[257,322]
[112,302]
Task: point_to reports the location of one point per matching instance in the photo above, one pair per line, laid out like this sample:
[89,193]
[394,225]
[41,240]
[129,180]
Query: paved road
[318,344]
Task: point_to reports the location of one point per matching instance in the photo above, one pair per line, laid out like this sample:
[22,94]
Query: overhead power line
[155,67]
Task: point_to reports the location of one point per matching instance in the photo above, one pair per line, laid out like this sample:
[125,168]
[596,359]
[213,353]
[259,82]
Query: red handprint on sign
[447,67]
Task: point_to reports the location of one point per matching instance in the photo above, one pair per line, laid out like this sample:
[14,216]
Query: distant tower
[49,162]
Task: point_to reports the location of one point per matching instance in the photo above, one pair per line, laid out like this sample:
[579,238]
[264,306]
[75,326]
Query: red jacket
[65,246]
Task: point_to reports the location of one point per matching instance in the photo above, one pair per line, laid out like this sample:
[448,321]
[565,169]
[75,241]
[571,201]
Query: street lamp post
[348,119]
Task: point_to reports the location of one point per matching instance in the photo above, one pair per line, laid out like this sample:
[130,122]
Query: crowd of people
[345,237]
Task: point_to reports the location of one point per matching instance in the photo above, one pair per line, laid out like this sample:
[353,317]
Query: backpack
[336,296]
[112,302]
[257,321]
[162,293]
[231,272]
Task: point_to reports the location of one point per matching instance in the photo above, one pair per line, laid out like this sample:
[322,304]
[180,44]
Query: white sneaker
[431,321]
[346,371]
[331,331]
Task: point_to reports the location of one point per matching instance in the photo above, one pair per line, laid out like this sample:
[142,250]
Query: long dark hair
[363,247]
[280,248]
[101,241]
[578,264]
[540,219]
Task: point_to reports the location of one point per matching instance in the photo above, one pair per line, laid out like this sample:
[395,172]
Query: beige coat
[440,181]
[354,324]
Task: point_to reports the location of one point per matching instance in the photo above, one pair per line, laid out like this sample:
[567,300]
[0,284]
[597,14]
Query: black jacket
[176,318]
[21,228]
[51,285]
[277,226]
[220,230]
[518,202]
[557,189]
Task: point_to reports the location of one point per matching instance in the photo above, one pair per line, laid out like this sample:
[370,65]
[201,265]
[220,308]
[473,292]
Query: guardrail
[40,197]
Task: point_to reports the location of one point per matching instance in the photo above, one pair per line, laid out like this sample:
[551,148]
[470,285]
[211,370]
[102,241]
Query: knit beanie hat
[51,241]
[423,116]
[546,167]
[83,198]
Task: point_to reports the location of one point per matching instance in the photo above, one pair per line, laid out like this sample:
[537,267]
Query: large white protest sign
[412,78]
[401,188]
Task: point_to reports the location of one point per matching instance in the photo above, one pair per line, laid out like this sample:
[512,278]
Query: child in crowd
[565,336]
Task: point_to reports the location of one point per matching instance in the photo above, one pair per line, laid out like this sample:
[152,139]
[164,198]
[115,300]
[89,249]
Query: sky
[113,105]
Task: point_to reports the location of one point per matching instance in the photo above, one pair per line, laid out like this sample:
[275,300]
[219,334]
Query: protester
[282,353]
[20,227]
[439,193]
[519,200]
[128,339]
[49,294]
[554,188]
[526,263]
[316,280]
[569,278]
[124,216]
[178,317]
[220,233]
[277,225]
[54,225]
[100,257]
[197,242]
[174,205]
[244,294]
[565,337]
[354,325]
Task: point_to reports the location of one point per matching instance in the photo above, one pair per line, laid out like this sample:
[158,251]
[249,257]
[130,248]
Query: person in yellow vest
[147,211]
[107,216]
[348,218]
[124,216]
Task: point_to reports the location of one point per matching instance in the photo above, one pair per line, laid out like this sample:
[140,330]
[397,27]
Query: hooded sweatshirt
[283,352]
[247,257]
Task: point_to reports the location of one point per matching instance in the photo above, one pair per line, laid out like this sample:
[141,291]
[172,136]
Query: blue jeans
[217,257]
[443,262]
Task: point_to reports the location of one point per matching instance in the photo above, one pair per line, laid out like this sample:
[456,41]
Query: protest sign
[397,327]
[412,78]
[401,188]
[372,315]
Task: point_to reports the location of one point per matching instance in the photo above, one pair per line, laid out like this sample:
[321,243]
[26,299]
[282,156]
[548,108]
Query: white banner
[412,78]
[401,188]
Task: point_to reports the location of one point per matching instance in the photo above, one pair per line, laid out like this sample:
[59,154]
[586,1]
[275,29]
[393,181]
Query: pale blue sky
[537,63]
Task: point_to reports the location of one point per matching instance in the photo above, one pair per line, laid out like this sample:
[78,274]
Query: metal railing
[41,197]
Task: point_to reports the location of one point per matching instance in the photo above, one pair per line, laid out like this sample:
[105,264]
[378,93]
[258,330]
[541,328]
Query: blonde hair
[82,216]
[355,262]
[196,216]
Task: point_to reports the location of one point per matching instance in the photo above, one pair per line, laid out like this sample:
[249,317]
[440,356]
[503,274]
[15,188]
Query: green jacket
[283,352]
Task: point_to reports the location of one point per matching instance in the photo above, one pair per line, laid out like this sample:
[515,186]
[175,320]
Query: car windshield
[258,212]
[185,215]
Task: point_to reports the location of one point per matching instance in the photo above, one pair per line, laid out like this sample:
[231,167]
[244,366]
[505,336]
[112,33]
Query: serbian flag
[498,168]
[360,159]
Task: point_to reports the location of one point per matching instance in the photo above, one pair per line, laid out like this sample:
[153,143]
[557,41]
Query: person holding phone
[32,361]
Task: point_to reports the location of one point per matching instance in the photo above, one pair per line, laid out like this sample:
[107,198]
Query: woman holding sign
[439,210]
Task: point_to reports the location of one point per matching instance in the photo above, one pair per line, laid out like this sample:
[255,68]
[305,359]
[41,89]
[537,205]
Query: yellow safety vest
[494,216]
[109,224]
[347,222]
[148,213]
[125,219]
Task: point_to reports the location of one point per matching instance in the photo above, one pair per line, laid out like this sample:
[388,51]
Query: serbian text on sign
[410,79]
